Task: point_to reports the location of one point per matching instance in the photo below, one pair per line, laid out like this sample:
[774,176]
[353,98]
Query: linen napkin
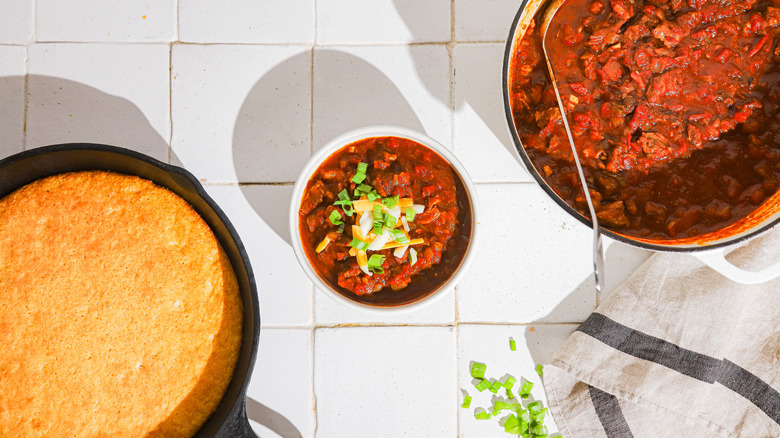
[677,350]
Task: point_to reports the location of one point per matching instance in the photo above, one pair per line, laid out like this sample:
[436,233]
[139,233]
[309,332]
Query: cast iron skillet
[229,419]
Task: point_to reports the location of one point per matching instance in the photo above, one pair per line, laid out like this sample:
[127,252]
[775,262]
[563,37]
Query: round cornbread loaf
[120,313]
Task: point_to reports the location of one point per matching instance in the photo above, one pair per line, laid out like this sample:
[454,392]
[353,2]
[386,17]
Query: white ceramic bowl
[382,131]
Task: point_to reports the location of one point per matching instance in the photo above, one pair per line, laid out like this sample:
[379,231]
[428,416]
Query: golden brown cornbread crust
[120,314]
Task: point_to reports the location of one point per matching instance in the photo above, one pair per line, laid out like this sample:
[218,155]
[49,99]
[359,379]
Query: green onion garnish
[399,236]
[482,416]
[495,387]
[359,244]
[362,167]
[534,408]
[375,261]
[362,189]
[512,344]
[525,416]
[540,429]
[390,221]
[410,214]
[344,196]
[335,217]
[510,382]
[412,256]
[390,202]
[466,401]
[478,370]
[512,425]
[373,195]
[482,385]
[509,393]
[539,369]
[358,178]
[499,406]
[525,391]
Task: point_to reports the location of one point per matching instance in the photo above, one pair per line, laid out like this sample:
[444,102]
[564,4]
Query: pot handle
[716,259]
[237,426]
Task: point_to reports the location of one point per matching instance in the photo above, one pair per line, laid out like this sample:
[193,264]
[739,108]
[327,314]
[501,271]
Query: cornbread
[120,313]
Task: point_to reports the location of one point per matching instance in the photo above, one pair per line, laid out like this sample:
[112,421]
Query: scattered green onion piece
[509,393]
[358,178]
[344,196]
[373,195]
[541,436]
[390,202]
[525,416]
[540,429]
[346,206]
[362,167]
[466,402]
[410,214]
[478,370]
[482,385]
[335,217]
[378,229]
[399,236]
[525,391]
[512,344]
[412,256]
[376,261]
[390,221]
[359,244]
[512,425]
[364,188]
[482,416]
[499,406]
[510,382]
[341,228]
[539,369]
[516,407]
[495,387]
[534,408]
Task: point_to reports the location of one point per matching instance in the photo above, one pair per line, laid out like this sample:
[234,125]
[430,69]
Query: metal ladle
[598,249]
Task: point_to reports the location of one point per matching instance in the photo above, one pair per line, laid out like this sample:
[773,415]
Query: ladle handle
[716,259]
[237,426]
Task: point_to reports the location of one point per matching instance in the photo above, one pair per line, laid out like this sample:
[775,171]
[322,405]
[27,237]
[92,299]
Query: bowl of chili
[384,218]
[675,112]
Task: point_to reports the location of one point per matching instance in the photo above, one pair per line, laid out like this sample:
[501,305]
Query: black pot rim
[520,150]
[237,408]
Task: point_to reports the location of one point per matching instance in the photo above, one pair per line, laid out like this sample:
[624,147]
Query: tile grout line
[314,419]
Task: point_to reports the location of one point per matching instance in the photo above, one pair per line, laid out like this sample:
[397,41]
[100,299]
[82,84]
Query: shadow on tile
[620,261]
[64,111]
[271,419]
[359,99]
[484,108]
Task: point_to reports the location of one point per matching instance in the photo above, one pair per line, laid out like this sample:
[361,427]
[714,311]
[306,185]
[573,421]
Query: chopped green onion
[362,167]
[378,228]
[377,212]
[482,416]
[499,406]
[478,370]
[412,256]
[540,429]
[358,178]
[509,393]
[390,221]
[482,385]
[410,214]
[525,416]
[344,196]
[510,382]
[359,244]
[363,189]
[341,228]
[495,387]
[534,408]
[346,204]
[399,236]
[376,260]
[516,407]
[525,391]
[539,369]
[512,344]
[390,202]
[335,217]
[373,196]
[512,425]
[466,402]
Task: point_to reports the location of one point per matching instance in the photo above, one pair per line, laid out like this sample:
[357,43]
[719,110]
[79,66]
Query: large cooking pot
[710,248]
[229,419]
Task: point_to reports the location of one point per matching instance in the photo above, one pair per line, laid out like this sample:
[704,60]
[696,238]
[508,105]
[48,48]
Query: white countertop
[240,93]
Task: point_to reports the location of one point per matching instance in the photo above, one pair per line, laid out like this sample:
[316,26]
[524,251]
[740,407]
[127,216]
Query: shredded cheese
[391,245]
[322,245]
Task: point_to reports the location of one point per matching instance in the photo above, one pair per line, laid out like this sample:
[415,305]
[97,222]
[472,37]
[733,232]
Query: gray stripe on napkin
[643,346]
[610,414]
[748,385]
[693,364]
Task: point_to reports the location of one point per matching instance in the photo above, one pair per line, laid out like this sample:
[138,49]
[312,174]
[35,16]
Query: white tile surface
[531,259]
[12,70]
[246,21]
[329,312]
[241,113]
[101,93]
[489,344]
[385,382]
[16,22]
[280,398]
[388,85]
[106,20]
[382,21]
[484,20]
[259,214]
[481,136]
